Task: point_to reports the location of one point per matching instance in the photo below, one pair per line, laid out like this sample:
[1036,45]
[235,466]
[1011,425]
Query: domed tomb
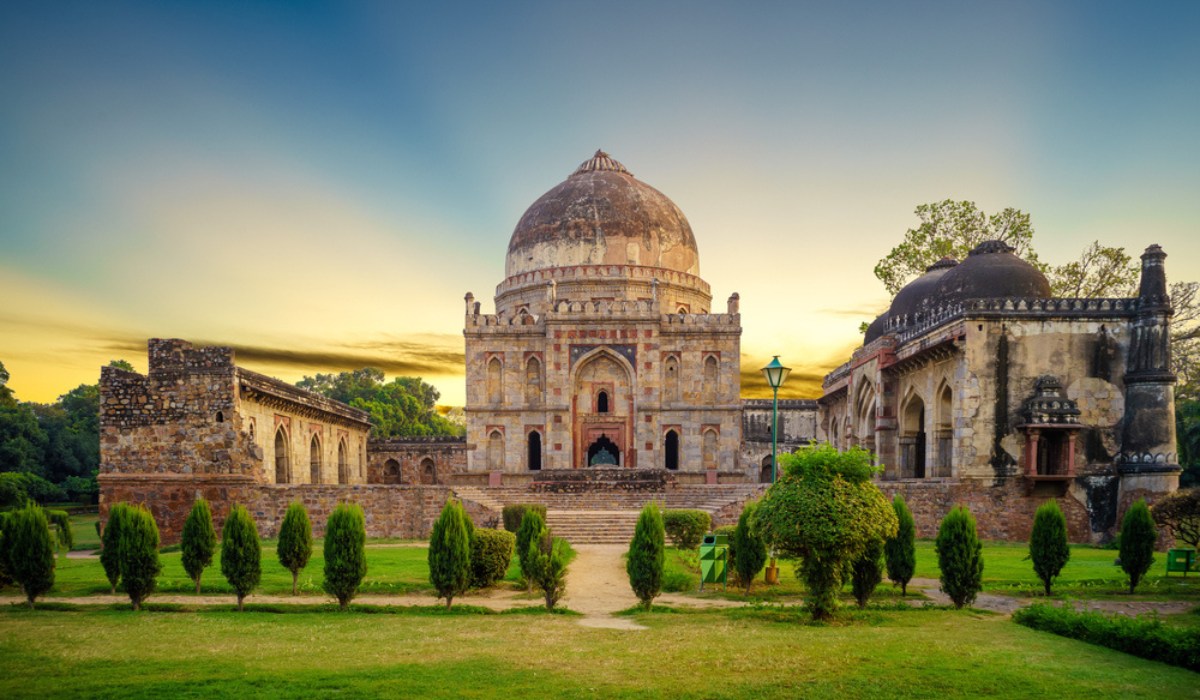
[602,215]
[992,270]
[918,293]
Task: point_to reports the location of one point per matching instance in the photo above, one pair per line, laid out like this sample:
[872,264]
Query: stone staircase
[605,514]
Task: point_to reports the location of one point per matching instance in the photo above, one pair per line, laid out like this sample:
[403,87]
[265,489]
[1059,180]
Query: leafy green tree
[1138,537]
[548,559]
[686,527]
[22,440]
[647,555]
[198,543]
[747,550]
[5,576]
[825,511]
[450,553]
[405,406]
[295,542]
[960,556]
[6,394]
[1179,512]
[139,555]
[900,552]
[241,554]
[30,550]
[345,552]
[867,572]
[1048,546]
[1187,431]
[110,542]
[531,529]
[1100,271]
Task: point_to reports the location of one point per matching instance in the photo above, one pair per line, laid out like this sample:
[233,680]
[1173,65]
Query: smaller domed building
[978,387]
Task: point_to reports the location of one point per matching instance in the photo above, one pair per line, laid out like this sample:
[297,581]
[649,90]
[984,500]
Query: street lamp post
[775,373]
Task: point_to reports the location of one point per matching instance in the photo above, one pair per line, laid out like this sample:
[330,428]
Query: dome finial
[601,161]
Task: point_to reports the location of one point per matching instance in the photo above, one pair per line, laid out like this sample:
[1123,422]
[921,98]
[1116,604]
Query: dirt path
[1007,605]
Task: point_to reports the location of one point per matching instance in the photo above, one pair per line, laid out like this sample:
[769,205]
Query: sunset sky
[319,184]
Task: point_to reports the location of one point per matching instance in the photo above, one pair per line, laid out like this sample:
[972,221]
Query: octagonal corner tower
[603,351]
[602,234]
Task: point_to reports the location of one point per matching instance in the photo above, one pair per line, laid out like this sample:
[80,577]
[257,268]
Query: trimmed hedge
[139,555]
[686,528]
[295,545]
[646,556]
[960,556]
[241,554]
[515,513]
[1143,636]
[1138,536]
[30,551]
[198,542]
[345,552]
[450,552]
[491,553]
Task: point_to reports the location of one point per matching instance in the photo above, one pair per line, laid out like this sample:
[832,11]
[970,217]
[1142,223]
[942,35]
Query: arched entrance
[535,450]
[671,450]
[912,439]
[603,452]
[764,474]
[283,467]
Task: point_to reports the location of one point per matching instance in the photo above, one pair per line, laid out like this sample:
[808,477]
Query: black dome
[915,294]
[876,328]
[992,270]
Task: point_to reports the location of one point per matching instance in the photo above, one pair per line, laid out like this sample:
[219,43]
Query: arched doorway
[343,467]
[603,452]
[428,471]
[764,474]
[534,459]
[391,472]
[495,451]
[283,469]
[603,405]
[314,460]
[912,439]
[945,432]
[671,450]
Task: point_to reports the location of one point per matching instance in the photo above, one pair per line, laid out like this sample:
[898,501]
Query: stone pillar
[1031,451]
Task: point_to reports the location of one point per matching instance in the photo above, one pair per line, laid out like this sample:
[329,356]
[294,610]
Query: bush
[866,573]
[12,492]
[241,555]
[514,514]
[960,556]
[531,529]
[647,556]
[139,555]
[491,553]
[1146,637]
[110,542]
[1137,542]
[295,541]
[450,552]
[548,558]
[198,542]
[345,552]
[686,528]
[18,487]
[749,546]
[900,552]
[60,520]
[5,576]
[30,551]
[825,511]
[1048,543]
[1179,512]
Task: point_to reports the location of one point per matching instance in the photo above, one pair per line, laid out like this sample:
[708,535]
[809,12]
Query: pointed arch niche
[602,402]
[913,438]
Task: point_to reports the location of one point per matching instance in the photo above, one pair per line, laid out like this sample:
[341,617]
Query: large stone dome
[919,292]
[602,215]
[992,270]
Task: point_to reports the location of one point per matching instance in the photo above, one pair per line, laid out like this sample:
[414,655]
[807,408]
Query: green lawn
[390,570]
[731,654]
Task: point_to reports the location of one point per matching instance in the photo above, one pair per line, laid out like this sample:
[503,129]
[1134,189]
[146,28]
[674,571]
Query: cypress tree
[450,553]
[30,551]
[345,552]
[532,526]
[647,555]
[1138,536]
[750,548]
[960,556]
[900,552]
[139,555]
[241,555]
[5,576]
[548,566]
[1048,543]
[867,572]
[199,541]
[110,554]
[295,541]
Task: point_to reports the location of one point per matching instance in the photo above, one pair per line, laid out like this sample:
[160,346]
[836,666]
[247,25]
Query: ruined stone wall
[415,460]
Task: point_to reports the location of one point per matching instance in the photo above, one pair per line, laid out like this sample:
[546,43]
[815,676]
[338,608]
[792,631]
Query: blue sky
[320,183]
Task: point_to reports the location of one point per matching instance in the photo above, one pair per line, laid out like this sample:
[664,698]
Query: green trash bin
[714,555]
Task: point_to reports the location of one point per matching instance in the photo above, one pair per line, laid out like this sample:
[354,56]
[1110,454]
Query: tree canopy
[403,407]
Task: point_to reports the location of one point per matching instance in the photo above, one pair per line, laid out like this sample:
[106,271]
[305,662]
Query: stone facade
[1004,401]
[798,426]
[417,460]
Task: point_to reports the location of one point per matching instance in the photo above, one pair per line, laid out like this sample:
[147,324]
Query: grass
[712,654]
[83,531]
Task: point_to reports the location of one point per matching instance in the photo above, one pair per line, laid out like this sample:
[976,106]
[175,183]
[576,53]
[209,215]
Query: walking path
[598,588]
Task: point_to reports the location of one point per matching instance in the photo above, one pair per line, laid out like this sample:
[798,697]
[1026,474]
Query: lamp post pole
[774,433]
[775,374]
